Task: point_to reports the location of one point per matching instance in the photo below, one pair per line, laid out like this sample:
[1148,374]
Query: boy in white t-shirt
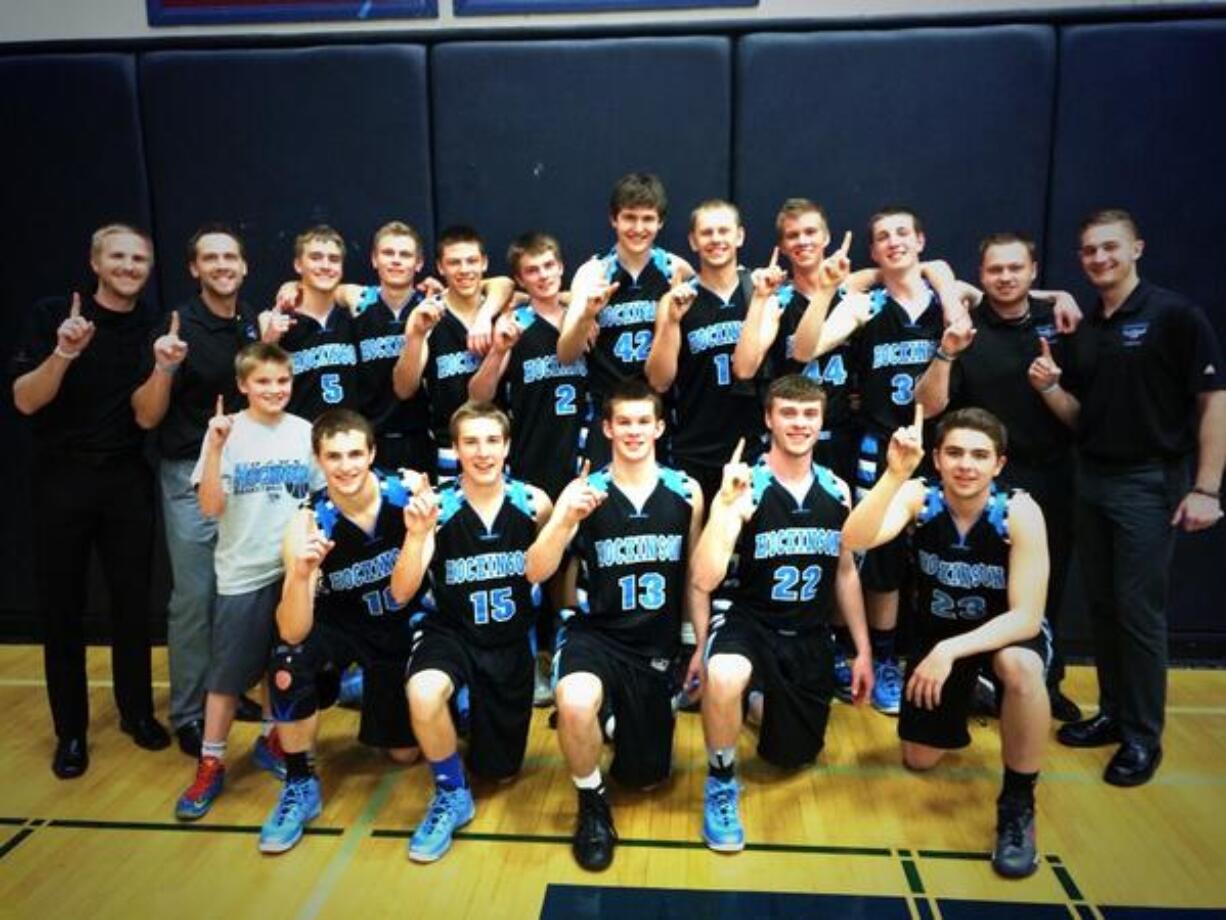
[255,468]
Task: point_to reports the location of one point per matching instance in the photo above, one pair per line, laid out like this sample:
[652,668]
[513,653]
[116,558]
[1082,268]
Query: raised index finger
[774,263]
[221,406]
[846,247]
[174,323]
[585,469]
[1044,348]
[919,417]
[75,310]
[737,451]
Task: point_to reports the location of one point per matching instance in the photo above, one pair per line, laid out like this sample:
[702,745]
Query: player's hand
[310,546]
[75,332]
[169,350]
[580,498]
[598,298]
[837,266]
[957,336]
[431,286]
[924,687]
[861,678]
[1044,373]
[906,448]
[735,482]
[481,334]
[679,299]
[220,425]
[506,334]
[421,514]
[693,676]
[424,317]
[767,280]
[1066,312]
[289,297]
[859,304]
[1197,511]
[273,324]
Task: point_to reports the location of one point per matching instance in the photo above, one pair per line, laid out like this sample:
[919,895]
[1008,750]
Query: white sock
[213,749]
[593,781]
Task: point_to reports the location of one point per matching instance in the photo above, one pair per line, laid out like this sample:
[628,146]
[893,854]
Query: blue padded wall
[275,141]
[1139,126]
[74,160]
[954,122]
[532,135]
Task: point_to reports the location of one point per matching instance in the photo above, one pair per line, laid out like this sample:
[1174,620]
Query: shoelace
[890,675]
[593,814]
[205,774]
[441,807]
[1013,825]
[293,798]
[724,797]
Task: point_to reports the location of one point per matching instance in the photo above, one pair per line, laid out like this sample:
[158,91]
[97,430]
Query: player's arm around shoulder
[303,550]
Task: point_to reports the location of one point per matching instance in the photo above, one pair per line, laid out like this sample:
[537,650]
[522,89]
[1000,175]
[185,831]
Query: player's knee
[727,677]
[404,755]
[920,757]
[1020,670]
[578,698]
[428,693]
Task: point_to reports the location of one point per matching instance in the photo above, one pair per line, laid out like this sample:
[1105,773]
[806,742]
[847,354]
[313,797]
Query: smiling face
[345,458]
[123,262]
[1006,272]
[794,425]
[967,461]
[633,429]
[267,388]
[803,238]
[636,229]
[896,243]
[1109,254]
[481,444]
[320,265]
[462,267]
[540,275]
[218,265]
[396,261]
[716,235]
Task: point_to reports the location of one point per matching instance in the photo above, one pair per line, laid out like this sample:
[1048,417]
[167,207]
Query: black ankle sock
[842,639]
[882,642]
[297,766]
[1018,787]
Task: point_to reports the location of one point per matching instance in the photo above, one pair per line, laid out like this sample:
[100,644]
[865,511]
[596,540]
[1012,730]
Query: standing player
[613,297]
[782,519]
[547,399]
[697,327]
[986,366]
[981,579]
[481,611]
[319,335]
[177,400]
[890,348]
[630,528]
[437,353]
[338,606]
[76,369]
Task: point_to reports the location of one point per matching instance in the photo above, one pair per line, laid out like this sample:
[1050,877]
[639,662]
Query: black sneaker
[595,835]
[1016,854]
[1062,708]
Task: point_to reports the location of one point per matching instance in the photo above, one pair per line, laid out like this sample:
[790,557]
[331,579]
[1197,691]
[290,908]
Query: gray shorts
[244,629]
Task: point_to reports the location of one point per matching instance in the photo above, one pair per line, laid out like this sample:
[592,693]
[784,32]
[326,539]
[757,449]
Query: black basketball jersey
[632,564]
[787,556]
[325,363]
[447,372]
[627,322]
[832,370]
[961,580]
[711,409]
[548,404]
[477,582]
[380,339]
[891,353]
[354,589]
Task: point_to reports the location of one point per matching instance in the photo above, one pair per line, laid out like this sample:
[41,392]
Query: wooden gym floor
[856,837]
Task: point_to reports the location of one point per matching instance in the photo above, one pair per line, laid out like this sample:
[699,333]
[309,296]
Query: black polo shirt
[91,414]
[208,370]
[992,374]
[1137,374]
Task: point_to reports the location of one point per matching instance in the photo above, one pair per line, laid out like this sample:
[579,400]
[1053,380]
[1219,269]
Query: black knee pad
[292,679]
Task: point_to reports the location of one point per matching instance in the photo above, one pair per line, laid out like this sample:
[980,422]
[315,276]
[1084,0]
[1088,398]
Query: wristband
[167,369]
[66,355]
[1049,387]
[942,356]
[1208,493]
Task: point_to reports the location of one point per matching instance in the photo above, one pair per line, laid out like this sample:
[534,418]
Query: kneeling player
[632,525]
[782,518]
[338,607]
[476,634]
[981,571]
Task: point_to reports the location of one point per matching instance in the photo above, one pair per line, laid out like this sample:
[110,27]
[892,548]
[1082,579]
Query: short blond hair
[106,231]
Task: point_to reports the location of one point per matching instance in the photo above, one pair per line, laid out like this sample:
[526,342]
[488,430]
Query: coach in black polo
[1149,390]
[987,366]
